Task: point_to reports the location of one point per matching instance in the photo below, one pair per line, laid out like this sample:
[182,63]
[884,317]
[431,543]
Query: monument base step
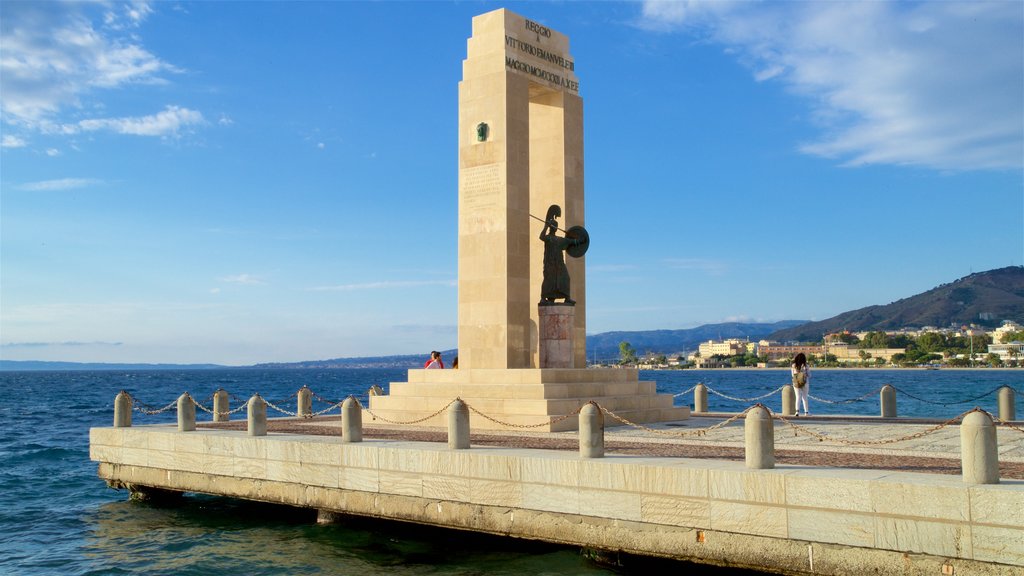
[539,399]
[527,422]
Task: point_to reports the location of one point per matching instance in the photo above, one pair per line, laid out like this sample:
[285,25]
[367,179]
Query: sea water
[58,517]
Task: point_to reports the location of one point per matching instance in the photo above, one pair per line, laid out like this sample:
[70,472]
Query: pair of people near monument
[801,375]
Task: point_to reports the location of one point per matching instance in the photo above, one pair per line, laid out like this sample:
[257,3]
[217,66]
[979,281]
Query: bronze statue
[556,275]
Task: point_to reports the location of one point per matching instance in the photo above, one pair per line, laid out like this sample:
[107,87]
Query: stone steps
[639,416]
[524,397]
[522,391]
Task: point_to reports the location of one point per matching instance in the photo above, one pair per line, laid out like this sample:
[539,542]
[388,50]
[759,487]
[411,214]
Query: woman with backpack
[801,374]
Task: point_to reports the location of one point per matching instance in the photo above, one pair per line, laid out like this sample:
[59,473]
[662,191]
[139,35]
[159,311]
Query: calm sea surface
[57,517]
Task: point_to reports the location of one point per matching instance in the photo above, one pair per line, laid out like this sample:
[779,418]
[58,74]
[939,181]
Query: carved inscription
[481,186]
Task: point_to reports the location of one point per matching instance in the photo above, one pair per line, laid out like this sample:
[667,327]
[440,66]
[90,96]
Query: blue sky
[240,182]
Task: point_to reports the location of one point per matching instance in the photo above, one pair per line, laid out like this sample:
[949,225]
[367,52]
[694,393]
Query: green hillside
[984,298]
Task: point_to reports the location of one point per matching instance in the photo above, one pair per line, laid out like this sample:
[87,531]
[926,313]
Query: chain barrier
[679,433]
[424,419]
[281,410]
[228,413]
[685,392]
[149,410]
[322,399]
[849,401]
[1006,423]
[717,393]
[918,398]
[524,426]
[798,429]
[326,410]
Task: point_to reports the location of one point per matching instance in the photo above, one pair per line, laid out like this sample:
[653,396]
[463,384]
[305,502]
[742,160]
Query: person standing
[801,374]
[435,361]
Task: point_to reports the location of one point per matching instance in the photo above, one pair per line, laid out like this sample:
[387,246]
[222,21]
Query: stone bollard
[1007,404]
[978,450]
[591,431]
[700,398]
[122,410]
[351,420]
[887,398]
[759,438]
[788,400]
[257,416]
[221,406]
[305,408]
[458,425]
[186,413]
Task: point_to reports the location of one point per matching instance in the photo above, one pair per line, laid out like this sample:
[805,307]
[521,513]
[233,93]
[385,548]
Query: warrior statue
[556,275]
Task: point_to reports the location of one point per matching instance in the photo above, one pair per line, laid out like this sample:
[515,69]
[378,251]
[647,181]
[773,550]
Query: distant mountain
[45,365]
[394,361]
[983,298]
[605,346]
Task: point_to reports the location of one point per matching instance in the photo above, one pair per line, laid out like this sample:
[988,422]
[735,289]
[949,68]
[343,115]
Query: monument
[522,354]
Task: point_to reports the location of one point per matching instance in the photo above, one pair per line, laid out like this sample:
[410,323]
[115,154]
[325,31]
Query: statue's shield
[578,233]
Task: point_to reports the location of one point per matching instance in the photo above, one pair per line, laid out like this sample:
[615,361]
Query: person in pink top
[435,362]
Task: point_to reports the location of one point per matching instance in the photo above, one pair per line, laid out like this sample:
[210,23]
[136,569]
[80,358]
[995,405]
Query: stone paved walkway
[918,446]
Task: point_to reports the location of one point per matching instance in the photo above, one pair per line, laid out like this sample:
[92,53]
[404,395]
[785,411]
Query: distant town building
[1008,351]
[1007,327]
[846,353]
[728,347]
[708,362]
[787,351]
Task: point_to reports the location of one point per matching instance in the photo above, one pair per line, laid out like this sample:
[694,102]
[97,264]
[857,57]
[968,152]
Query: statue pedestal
[524,397]
[556,335]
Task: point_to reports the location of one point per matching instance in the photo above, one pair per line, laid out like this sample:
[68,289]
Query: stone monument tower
[520,152]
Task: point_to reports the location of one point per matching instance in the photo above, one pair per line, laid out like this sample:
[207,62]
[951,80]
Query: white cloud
[246,279]
[60,57]
[52,152]
[931,84]
[384,284]
[52,344]
[12,142]
[166,123]
[59,184]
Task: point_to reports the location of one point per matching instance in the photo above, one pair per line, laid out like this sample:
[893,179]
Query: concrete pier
[712,511]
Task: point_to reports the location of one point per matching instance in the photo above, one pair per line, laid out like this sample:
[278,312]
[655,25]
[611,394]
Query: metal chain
[424,419]
[713,391]
[280,409]
[798,429]
[947,403]
[1005,422]
[326,410]
[851,400]
[685,392]
[149,410]
[322,399]
[511,425]
[228,413]
[679,433]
